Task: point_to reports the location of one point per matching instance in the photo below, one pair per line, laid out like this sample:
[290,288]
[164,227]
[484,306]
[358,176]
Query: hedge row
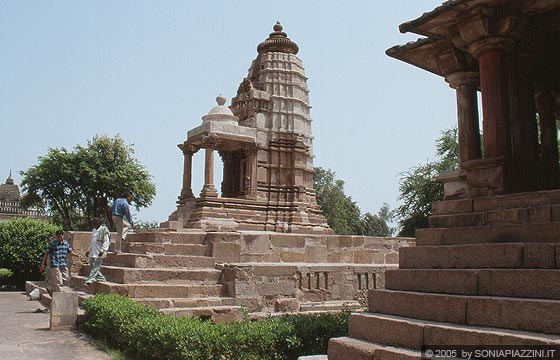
[142,333]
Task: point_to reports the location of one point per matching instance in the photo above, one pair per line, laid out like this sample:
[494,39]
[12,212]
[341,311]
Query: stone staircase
[466,294]
[172,271]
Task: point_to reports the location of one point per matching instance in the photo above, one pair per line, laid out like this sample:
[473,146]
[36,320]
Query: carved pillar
[227,182]
[251,185]
[546,104]
[465,84]
[188,151]
[493,86]
[209,189]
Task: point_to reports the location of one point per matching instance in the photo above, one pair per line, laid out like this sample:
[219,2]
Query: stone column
[209,189]
[227,158]
[251,187]
[465,84]
[523,123]
[546,104]
[490,52]
[188,151]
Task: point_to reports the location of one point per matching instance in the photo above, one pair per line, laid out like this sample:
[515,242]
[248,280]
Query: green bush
[110,317]
[314,331]
[6,279]
[22,245]
[143,334]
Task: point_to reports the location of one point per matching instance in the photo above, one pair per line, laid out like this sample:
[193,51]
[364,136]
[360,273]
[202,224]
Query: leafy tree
[417,186]
[77,185]
[377,224]
[22,245]
[342,213]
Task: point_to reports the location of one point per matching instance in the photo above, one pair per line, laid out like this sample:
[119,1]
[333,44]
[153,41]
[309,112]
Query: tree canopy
[418,188]
[342,213]
[77,185]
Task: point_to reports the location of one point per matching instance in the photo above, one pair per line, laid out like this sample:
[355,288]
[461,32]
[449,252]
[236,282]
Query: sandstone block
[290,241]
[226,252]
[275,270]
[255,243]
[315,254]
[473,256]
[435,307]
[290,256]
[524,283]
[461,282]
[517,314]
[286,305]
[346,348]
[280,288]
[385,330]
[442,334]
[452,207]
[539,256]
[64,310]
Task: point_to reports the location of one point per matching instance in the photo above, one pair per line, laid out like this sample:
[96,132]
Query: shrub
[110,317]
[22,245]
[314,331]
[144,334]
[6,278]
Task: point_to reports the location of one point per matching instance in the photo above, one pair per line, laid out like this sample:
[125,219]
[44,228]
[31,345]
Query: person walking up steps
[98,247]
[122,219]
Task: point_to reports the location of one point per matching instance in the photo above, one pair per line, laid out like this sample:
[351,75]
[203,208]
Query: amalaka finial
[221,100]
[278,41]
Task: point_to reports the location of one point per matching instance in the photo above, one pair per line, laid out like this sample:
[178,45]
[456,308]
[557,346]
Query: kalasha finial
[221,100]
[278,41]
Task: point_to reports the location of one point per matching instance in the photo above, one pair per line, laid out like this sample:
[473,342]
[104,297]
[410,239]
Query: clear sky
[148,70]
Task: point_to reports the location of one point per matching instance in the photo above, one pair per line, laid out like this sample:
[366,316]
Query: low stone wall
[300,248]
[279,287]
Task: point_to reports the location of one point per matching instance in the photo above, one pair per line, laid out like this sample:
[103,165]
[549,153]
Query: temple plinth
[264,140]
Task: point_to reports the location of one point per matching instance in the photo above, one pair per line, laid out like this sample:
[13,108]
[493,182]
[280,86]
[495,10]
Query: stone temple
[265,143]
[487,271]
[263,246]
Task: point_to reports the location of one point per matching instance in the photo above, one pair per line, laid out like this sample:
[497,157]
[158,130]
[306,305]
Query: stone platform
[219,275]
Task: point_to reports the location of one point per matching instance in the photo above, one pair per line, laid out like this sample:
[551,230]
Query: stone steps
[150,290]
[526,233]
[168,249]
[538,315]
[480,256]
[347,348]
[413,334]
[330,306]
[519,283]
[158,260]
[161,275]
[161,237]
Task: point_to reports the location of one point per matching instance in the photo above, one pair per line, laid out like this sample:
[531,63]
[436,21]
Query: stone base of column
[184,196]
[209,191]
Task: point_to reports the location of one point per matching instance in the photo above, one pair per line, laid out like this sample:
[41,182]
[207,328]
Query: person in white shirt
[98,247]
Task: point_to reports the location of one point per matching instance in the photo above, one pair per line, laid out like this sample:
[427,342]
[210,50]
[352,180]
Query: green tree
[77,185]
[22,245]
[377,224]
[342,213]
[417,186]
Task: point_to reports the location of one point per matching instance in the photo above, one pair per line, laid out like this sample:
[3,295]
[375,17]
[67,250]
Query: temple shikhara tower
[486,272]
[265,144]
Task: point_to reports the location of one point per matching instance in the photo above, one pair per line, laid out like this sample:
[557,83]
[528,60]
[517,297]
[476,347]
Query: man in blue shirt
[58,250]
[122,219]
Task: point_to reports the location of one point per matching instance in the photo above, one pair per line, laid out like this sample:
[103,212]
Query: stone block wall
[303,248]
[269,287]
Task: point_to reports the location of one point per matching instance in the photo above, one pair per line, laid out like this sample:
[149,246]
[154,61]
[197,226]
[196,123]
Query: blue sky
[148,70]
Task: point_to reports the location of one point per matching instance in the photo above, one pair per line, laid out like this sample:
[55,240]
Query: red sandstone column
[493,76]
[523,123]
[209,189]
[465,84]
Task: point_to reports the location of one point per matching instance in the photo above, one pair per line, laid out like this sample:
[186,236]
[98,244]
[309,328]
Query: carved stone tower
[265,142]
